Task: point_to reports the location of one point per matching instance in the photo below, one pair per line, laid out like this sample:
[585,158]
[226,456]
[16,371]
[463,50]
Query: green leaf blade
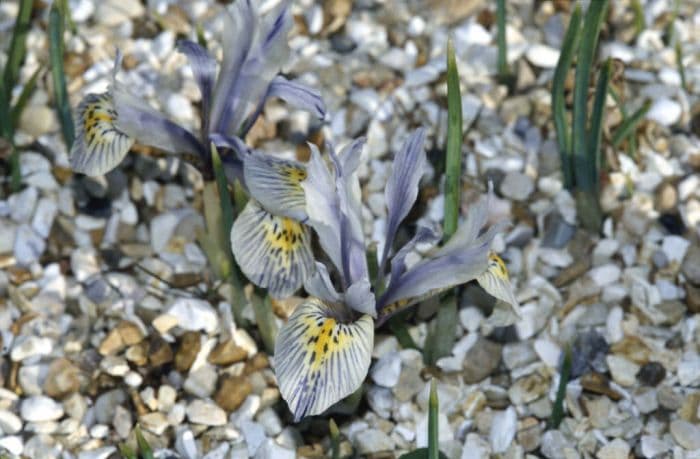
[561,127]
[627,127]
[18,46]
[453,162]
[56,27]
[592,24]
[596,131]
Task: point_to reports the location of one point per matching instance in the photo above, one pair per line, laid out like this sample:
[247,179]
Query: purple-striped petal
[320,358]
[402,187]
[204,69]
[149,127]
[253,55]
[298,95]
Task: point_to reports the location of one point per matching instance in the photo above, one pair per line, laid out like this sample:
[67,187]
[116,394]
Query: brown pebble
[232,392]
[226,353]
[190,345]
[599,384]
[63,378]
[159,352]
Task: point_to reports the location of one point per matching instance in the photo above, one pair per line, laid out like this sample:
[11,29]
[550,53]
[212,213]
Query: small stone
[10,423]
[689,369]
[40,408]
[205,413]
[114,12]
[616,449]
[30,346]
[254,435]
[63,378]
[517,186]
[37,120]
[686,434]
[691,265]
[106,404]
[271,450]
[193,315]
[669,399]
[155,422]
[98,453]
[29,246]
[622,370]
[503,429]
[529,434]
[227,353]
[202,381]
[556,446]
[159,352]
[481,360]
[653,447]
[675,248]
[387,370]
[665,112]
[190,345]
[542,56]
[232,392]
[373,441]
[651,374]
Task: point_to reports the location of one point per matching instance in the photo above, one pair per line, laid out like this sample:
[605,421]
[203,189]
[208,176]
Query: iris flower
[254,50]
[323,352]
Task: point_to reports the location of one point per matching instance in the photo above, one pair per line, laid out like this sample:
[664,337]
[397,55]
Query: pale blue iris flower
[323,352]
[254,50]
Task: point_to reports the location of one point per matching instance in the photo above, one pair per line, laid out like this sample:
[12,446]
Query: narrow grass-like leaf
[453,162]
[335,439]
[679,62]
[127,452]
[5,117]
[561,125]
[397,325]
[626,129]
[501,39]
[558,408]
[24,96]
[596,131]
[442,330]
[265,318]
[56,25]
[638,17]
[229,267]
[224,197]
[586,52]
[18,46]
[201,39]
[433,427]
[145,450]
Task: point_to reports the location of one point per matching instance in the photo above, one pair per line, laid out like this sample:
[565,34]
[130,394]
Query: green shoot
[335,439]
[453,164]
[638,17]
[558,408]
[56,24]
[679,62]
[433,427]
[558,103]
[265,318]
[629,124]
[144,448]
[503,73]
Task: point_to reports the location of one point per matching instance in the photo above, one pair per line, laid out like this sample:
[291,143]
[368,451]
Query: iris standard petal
[402,186]
[319,360]
[322,206]
[99,146]
[273,252]
[259,58]
[239,30]
[297,95]
[276,184]
[150,127]
[203,67]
